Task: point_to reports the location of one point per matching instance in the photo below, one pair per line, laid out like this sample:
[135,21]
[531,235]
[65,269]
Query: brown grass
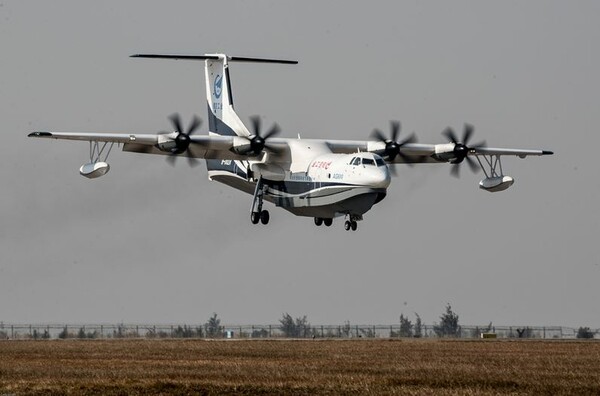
[299,367]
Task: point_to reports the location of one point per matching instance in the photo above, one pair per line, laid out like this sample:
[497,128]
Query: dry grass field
[299,367]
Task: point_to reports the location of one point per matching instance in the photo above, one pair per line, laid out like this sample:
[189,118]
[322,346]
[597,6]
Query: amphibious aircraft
[319,178]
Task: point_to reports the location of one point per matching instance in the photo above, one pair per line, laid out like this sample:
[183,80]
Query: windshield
[380,162]
[368,161]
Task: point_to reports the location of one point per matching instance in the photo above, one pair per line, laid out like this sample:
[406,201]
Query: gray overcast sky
[154,243]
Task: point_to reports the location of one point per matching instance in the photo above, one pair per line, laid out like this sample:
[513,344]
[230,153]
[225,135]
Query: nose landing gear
[263,216]
[256,213]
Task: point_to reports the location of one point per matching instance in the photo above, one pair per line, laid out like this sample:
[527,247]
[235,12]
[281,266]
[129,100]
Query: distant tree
[418,328]
[346,329]
[213,326]
[525,332]
[368,332]
[448,326]
[81,333]
[259,333]
[120,331]
[183,332]
[585,332]
[406,326]
[64,333]
[199,332]
[294,328]
[477,331]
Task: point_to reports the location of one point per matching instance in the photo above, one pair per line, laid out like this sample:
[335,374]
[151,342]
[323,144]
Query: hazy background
[155,243]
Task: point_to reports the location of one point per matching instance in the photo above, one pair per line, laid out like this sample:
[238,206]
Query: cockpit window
[380,162]
[355,161]
[368,161]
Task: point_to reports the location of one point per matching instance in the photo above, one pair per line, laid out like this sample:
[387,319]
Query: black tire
[255,217]
[318,221]
[347,225]
[264,217]
[354,225]
[328,222]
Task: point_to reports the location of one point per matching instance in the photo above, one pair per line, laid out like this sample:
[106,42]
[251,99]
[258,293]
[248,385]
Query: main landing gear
[327,221]
[257,213]
[350,224]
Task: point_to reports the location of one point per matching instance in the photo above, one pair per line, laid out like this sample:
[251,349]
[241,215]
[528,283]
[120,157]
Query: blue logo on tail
[218,86]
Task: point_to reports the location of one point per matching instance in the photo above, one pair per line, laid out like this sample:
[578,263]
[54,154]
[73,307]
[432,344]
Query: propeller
[257,141]
[182,140]
[393,146]
[461,149]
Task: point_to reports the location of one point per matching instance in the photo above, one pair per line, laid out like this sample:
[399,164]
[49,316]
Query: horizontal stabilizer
[204,57]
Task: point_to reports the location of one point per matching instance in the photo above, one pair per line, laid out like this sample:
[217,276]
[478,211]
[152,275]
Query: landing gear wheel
[264,217]
[254,217]
[347,225]
[328,222]
[354,225]
[318,221]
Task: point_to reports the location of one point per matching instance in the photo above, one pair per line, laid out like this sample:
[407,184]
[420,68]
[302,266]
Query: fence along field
[300,367]
[347,330]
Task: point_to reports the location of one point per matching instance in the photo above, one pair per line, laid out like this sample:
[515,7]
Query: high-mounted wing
[198,146]
[406,150]
[424,153]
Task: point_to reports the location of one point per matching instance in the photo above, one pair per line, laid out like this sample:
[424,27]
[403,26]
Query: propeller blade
[395,128]
[467,133]
[393,170]
[195,124]
[176,121]
[378,135]
[449,133]
[411,139]
[272,132]
[193,162]
[171,159]
[406,158]
[455,170]
[479,145]
[472,164]
[255,125]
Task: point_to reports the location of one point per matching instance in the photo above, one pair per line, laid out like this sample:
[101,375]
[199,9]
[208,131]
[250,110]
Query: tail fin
[222,118]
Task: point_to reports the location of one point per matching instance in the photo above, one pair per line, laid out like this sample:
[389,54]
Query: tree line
[299,327]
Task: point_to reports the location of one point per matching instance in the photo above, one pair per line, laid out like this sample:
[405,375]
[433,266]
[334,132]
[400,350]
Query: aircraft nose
[382,178]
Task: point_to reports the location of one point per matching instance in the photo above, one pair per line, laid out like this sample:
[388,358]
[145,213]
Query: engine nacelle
[495,184]
[167,146]
[445,152]
[94,169]
[241,145]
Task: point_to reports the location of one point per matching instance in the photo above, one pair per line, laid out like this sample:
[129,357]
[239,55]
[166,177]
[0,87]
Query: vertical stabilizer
[222,118]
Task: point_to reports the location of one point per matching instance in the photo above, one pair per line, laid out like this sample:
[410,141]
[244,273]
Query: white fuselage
[311,181]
